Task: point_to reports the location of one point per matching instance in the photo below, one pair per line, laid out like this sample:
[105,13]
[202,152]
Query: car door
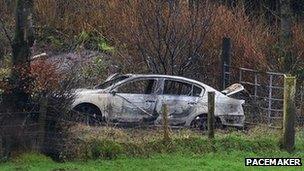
[133,101]
[180,97]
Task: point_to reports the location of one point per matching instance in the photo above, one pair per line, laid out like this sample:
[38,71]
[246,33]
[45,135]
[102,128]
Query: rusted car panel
[139,98]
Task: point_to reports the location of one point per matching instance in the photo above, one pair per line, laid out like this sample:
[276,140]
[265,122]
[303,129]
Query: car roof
[170,77]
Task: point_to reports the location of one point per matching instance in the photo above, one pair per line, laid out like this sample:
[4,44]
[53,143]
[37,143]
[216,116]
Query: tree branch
[5,31]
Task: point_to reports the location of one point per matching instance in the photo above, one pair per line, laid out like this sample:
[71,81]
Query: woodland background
[178,37]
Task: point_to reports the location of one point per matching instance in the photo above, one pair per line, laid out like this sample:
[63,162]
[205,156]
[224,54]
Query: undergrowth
[87,143]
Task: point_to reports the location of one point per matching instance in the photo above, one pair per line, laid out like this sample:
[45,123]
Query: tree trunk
[23,40]
[286,34]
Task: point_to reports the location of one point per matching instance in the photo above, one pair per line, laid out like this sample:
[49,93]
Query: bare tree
[170,34]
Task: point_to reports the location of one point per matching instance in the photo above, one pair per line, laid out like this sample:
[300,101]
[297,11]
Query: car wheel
[218,123]
[89,114]
[200,122]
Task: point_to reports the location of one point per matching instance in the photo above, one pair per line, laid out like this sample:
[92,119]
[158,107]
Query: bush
[106,149]
[133,33]
[93,41]
[30,158]
[92,72]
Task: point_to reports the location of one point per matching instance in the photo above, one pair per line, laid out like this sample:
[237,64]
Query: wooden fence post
[211,109]
[288,138]
[1,148]
[166,123]
[226,62]
[302,98]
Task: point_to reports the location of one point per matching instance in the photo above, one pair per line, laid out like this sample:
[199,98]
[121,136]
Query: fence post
[288,138]
[226,62]
[42,122]
[1,148]
[166,123]
[302,98]
[210,117]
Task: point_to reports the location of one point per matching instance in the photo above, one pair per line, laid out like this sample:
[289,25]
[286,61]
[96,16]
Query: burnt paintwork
[143,101]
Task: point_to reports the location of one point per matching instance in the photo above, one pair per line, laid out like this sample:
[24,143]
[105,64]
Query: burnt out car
[134,98]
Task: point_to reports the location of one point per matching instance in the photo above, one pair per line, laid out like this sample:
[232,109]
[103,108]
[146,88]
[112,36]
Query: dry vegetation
[163,37]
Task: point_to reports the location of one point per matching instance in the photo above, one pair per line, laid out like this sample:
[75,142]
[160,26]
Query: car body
[135,98]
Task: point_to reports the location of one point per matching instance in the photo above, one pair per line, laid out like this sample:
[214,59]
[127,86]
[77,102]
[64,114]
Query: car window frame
[182,81]
[113,84]
[114,88]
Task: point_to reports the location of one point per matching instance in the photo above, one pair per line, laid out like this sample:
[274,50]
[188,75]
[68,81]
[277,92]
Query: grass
[210,161]
[120,149]
[110,143]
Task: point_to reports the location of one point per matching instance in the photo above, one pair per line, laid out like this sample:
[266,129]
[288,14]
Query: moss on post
[288,138]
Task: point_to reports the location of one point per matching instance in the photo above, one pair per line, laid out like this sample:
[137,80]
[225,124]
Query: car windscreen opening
[111,82]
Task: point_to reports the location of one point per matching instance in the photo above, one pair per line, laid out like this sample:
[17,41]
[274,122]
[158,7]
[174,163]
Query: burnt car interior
[181,88]
[137,87]
[136,97]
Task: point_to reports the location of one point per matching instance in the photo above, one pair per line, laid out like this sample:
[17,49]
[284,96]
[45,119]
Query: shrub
[45,76]
[115,22]
[30,158]
[92,72]
[167,47]
[129,26]
[93,41]
[106,149]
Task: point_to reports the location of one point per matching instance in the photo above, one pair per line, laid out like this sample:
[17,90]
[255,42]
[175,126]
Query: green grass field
[185,151]
[211,161]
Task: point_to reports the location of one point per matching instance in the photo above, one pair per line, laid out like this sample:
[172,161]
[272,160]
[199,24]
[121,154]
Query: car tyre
[201,122]
[89,114]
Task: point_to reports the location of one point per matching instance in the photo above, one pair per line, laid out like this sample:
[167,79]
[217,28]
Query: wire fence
[264,95]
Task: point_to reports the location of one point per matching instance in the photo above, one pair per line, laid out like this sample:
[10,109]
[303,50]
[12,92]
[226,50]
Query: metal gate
[264,91]
[263,94]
